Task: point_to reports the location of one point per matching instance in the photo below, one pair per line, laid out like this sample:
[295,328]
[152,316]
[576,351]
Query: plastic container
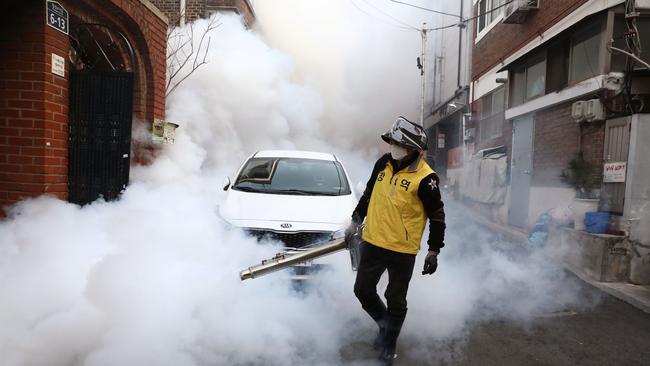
[597,222]
[579,207]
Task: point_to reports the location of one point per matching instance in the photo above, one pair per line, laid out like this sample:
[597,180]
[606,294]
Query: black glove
[350,231]
[430,263]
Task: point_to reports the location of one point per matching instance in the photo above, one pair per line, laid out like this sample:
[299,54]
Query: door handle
[527,172]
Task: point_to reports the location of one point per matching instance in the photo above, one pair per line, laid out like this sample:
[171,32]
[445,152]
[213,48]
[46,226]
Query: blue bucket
[597,222]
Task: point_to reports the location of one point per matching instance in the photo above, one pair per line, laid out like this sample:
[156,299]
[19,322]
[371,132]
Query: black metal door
[99,142]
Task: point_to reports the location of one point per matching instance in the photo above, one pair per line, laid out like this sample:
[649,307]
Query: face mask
[398,152]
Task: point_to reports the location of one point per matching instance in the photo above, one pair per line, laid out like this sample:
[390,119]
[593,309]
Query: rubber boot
[378,313]
[393,328]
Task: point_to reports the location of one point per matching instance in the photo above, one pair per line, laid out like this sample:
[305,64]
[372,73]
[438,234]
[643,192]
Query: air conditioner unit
[470,133]
[578,111]
[594,110]
[516,11]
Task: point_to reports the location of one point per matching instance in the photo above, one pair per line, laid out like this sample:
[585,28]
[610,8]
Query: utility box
[578,111]
[593,110]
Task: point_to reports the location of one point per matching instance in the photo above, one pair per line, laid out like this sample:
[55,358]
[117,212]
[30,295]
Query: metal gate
[521,170]
[617,146]
[99,142]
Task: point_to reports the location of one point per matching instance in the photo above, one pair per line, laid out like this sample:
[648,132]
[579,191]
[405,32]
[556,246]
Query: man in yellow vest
[401,194]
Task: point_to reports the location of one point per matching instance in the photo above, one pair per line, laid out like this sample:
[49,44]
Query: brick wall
[33,137]
[242,7]
[558,140]
[593,145]
[195,9]
[170,8]
[504,39]
[34,101]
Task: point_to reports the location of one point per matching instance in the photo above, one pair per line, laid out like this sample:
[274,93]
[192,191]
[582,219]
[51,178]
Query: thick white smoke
[152,279]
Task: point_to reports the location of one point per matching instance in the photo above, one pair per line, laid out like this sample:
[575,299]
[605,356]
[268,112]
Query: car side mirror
[226,183]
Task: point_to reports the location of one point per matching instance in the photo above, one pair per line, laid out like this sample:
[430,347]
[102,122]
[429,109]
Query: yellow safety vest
[396,216]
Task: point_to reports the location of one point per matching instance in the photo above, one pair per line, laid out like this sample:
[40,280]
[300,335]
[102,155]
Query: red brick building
[74,76]
[532,60]
[196,9]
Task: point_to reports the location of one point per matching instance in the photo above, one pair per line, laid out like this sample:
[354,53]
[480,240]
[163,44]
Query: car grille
[294,240]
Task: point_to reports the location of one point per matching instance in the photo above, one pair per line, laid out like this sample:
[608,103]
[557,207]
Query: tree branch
[183,52]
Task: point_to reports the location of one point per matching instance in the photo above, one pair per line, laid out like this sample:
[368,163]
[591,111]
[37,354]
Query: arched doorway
[100,112]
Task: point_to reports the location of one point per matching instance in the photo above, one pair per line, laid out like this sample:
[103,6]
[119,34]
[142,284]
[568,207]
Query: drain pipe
[181,19]
[460,42]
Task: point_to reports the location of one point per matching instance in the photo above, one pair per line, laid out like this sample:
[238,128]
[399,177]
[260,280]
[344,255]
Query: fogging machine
[291,256]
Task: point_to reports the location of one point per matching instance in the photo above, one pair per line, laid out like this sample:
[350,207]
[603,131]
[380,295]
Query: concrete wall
[604,258]
[637,197]
[543,199]
[444,44]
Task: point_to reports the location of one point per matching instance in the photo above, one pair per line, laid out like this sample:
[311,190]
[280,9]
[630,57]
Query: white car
[299,198]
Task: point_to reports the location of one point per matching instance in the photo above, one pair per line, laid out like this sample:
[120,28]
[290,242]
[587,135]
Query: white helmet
[407,134]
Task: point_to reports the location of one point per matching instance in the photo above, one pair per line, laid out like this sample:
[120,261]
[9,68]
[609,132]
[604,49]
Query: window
[528,80]
[557,64]
[492,115]
[488,11]
[481,14]
[498,101]
[495,13]
[585,54]
[518,86]
[568,59]
[293,176]
[536,78]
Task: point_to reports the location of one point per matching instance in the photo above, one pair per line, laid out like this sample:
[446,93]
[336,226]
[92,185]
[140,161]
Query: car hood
[301,213]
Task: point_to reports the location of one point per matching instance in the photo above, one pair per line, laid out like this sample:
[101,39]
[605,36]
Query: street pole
[423,32]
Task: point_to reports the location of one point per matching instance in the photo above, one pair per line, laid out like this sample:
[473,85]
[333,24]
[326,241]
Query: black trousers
[374,261]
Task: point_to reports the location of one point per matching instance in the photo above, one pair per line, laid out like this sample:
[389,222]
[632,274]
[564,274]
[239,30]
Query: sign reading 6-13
[57,16]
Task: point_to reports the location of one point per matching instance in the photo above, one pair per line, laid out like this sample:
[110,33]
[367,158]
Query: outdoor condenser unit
[516,11]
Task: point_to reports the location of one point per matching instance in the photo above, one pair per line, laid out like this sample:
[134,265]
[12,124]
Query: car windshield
[293,176]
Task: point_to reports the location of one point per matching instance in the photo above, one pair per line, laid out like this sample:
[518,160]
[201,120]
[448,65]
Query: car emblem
[286,225]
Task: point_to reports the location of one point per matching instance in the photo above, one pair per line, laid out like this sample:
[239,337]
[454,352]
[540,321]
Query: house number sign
[57,16]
